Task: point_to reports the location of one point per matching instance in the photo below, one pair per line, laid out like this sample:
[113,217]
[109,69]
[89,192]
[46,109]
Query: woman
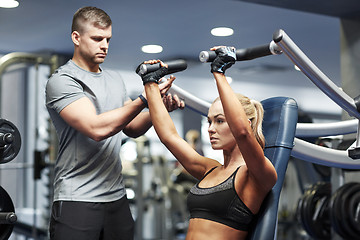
[224,203]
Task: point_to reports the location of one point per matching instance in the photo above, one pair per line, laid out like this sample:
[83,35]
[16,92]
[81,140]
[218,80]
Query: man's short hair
[94,15]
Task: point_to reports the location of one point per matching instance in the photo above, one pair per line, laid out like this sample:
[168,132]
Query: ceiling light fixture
[151,49]
[222,31]
[9,3]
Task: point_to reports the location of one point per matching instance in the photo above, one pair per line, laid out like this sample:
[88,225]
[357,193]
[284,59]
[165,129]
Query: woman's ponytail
[256,122]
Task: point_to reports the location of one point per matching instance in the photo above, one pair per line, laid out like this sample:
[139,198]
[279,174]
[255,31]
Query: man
[90,109]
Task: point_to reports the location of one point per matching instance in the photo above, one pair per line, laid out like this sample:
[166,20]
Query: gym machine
[327,210]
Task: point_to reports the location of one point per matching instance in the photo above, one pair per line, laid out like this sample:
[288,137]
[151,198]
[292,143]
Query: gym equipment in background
[10,144]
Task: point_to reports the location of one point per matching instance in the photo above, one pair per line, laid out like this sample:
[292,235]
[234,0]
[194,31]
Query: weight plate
[351,232]
[6,205]
[9,151]
[302,213]
[336,218]
[354,207]
[314,211]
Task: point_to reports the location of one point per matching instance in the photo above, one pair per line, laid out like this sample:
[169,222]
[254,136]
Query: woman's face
[219,130]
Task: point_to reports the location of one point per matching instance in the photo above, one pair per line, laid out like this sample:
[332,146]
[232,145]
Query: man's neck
[85,65]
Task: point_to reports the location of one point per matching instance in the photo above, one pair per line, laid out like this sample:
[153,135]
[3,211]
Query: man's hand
[166,84]
[172,102]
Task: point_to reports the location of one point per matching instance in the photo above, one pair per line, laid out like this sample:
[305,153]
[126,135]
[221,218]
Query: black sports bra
[220,204]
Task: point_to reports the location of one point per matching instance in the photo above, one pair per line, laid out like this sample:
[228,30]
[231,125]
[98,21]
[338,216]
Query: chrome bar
[293,52]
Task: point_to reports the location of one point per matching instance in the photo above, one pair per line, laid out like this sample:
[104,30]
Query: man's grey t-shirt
[86,170]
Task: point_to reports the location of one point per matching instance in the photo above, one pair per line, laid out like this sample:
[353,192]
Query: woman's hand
[171,102]
[154,76]
[225,58]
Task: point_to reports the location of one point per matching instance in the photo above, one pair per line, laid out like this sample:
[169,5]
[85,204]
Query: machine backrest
[280,119]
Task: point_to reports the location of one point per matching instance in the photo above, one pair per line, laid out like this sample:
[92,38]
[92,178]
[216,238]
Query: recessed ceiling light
[222,31]
[151,49]
[9,3]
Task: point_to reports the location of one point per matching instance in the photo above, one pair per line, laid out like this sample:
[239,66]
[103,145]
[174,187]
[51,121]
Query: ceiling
[183,29]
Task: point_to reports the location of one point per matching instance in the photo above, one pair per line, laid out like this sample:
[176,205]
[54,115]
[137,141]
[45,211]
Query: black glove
[225,58]
[154,76]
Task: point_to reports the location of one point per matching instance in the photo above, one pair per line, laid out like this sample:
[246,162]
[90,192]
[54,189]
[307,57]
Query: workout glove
[154,76]
[225,58]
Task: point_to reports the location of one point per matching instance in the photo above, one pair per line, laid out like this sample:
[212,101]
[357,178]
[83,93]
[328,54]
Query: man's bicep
[79,113]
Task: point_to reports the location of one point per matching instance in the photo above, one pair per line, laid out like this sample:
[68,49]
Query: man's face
[94,43]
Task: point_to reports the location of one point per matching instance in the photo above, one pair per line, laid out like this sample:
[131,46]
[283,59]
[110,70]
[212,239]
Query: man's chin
[99,60]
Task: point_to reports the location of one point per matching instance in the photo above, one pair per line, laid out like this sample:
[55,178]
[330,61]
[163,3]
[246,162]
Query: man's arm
[141,124]
[82,116]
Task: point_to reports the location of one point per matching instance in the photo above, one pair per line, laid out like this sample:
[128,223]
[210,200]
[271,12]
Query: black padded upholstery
[280,119]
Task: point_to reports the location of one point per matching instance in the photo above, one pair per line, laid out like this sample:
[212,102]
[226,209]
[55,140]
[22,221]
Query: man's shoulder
[64,75]
[58,72]
[67,68]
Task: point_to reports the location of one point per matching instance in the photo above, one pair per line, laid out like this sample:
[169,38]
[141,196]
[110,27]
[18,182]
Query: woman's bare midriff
[210,230]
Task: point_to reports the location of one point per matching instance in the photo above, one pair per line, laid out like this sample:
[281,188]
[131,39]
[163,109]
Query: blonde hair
[192,136]
[255,113]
